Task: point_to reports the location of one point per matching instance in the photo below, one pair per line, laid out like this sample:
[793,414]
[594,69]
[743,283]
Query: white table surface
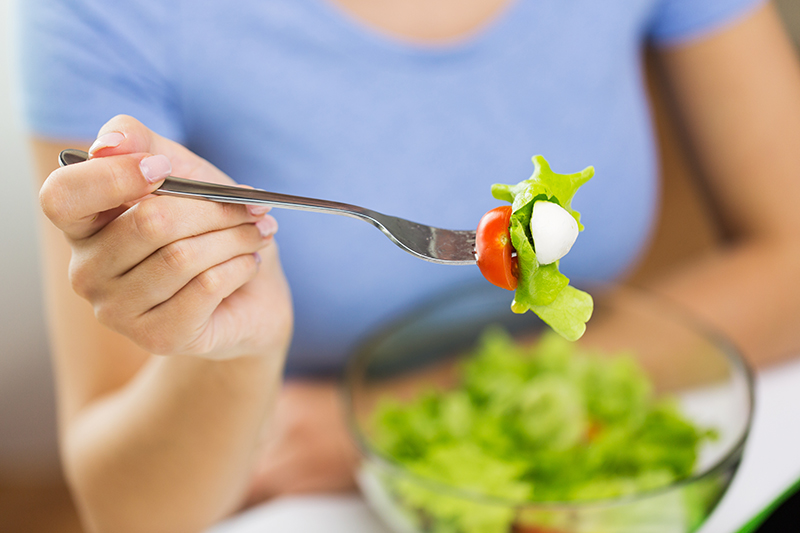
[771,463]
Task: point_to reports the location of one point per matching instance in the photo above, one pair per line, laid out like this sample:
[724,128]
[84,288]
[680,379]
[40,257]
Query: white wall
[27,420]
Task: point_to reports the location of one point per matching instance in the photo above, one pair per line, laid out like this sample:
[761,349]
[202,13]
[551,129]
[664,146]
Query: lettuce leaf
[542,288]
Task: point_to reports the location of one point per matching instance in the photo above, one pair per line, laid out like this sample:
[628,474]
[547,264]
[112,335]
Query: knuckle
[81,279]
[244,237]
[230,211]
[219,216]
[152,221]
[52,198]
[209,282]
[178,256]
[229,215]
[108,314]
[118,183]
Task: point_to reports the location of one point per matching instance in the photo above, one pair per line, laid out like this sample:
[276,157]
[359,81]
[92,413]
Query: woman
[408,107]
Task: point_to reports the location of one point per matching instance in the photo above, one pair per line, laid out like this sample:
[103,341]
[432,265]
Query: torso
[417,120]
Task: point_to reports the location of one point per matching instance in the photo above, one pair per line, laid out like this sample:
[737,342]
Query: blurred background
[32,493]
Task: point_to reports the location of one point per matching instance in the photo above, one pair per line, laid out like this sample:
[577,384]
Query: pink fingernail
[267,226]
[107,140]
[257,257]
[155,168]
[258,210]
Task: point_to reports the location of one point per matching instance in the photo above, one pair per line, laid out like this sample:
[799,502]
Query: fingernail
[258,258]
[155,168]
[267,226]
[258,210]
[107,140]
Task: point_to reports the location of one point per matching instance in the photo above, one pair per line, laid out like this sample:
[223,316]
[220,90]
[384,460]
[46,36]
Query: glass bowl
[423,350]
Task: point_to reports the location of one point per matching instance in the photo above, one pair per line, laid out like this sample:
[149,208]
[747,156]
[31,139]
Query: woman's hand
[307,446]
[177,276]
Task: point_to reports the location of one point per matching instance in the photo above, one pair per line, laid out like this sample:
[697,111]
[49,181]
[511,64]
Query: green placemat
[784,510]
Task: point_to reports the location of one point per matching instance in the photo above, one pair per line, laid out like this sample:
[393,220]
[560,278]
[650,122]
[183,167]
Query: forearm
[149,444]
[162,443]
[173,450]
[749,291]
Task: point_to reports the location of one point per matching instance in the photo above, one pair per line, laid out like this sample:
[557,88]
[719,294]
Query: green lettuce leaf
[542,288]
[568,313]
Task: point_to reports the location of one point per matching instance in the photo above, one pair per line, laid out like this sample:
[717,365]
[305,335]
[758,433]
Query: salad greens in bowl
[472,419]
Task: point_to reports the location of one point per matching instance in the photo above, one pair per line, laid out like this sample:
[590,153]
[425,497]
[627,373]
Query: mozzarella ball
[554,231]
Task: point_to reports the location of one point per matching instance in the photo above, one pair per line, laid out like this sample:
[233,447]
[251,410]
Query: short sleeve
[676,21]
[84,61]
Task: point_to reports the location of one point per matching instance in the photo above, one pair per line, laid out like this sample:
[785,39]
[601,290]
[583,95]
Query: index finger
[73,197]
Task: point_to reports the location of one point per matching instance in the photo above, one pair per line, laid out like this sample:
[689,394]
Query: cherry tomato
[594,430]
[493,249]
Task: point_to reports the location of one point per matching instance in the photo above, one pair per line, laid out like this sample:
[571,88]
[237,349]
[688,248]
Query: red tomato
[595,429]
[493,249]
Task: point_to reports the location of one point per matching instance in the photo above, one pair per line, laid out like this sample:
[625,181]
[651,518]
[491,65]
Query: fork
[449,247]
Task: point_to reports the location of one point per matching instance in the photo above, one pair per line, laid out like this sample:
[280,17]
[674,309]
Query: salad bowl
[669,400]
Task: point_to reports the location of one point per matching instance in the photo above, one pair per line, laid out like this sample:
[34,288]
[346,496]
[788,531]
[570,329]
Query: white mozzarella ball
[554,231]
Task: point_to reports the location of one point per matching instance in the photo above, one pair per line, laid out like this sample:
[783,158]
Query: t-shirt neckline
[359,30]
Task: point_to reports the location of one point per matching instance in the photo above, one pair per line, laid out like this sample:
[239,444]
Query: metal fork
[449,247]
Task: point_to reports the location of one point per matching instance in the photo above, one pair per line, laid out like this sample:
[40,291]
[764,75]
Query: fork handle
[237,195]
[214,192]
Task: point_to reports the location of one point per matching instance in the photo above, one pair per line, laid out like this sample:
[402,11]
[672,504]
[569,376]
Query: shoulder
[84,61]
[675,21]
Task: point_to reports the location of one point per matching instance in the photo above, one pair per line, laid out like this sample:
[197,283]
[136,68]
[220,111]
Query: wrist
[243,372]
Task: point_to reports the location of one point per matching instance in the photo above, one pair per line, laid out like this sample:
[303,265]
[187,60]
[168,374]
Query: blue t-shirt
[295,96]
